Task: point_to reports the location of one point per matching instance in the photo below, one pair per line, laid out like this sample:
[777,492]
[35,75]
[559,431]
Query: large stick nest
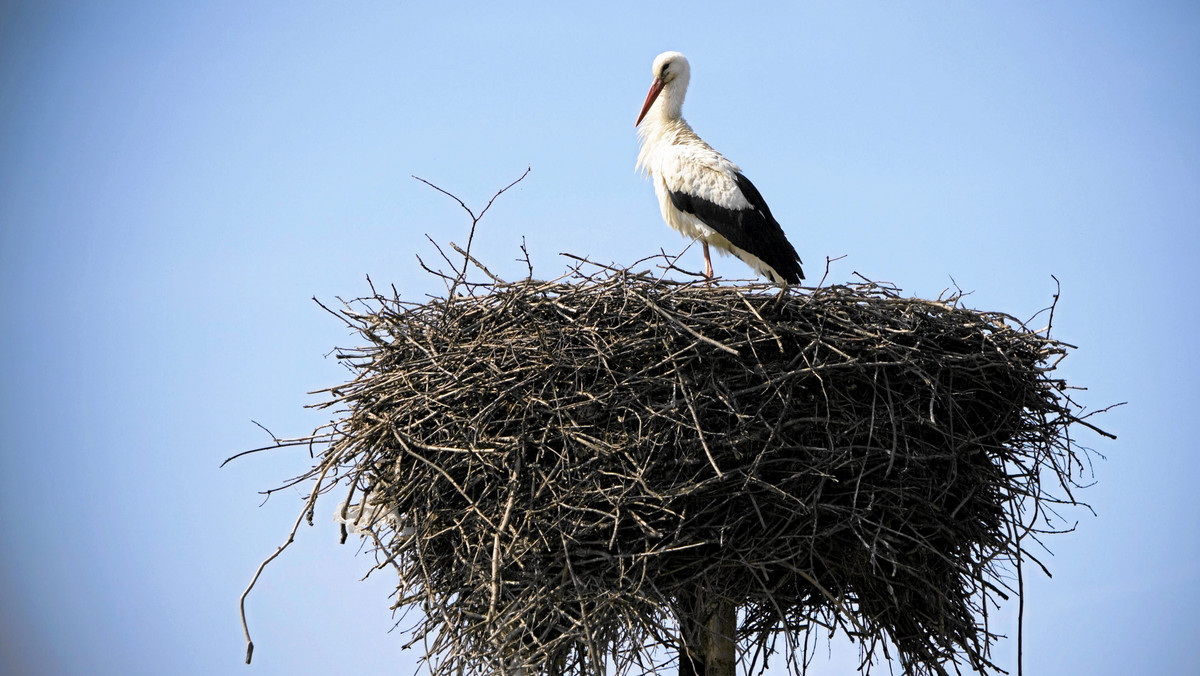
[554,469]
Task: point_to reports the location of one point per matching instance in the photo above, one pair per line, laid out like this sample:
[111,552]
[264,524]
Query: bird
[703,195]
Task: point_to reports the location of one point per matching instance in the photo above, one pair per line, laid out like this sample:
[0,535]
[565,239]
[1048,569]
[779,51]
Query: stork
[703,195]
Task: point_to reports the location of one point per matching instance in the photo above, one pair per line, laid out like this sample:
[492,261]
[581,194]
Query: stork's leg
[707,261]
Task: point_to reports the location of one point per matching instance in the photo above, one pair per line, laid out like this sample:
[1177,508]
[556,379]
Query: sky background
[179,180]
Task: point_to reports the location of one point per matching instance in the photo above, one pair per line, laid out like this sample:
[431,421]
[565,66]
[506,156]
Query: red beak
[654,91]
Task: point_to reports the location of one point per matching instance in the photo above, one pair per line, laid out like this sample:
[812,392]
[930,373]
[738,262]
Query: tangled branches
[562,472]
[554,468]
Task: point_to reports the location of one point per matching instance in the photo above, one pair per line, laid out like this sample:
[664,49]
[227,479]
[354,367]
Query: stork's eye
[663,74]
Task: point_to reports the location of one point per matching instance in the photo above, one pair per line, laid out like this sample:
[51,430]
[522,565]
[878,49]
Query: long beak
[654,91]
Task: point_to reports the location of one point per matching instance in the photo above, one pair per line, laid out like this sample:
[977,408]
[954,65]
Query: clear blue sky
[177,180]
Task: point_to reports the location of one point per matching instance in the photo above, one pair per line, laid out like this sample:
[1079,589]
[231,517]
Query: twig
[308,505]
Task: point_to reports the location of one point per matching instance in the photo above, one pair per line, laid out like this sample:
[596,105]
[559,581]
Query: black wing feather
[753,230]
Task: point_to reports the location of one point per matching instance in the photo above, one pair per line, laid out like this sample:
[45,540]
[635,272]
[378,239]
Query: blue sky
[178,180]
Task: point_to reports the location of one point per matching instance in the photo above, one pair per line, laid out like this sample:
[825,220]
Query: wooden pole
[707,641]
[720,644]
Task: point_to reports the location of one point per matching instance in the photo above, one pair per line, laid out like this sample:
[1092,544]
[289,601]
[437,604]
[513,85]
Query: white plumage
[701,194]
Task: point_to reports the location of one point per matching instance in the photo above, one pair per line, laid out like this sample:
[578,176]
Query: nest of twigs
[555,470]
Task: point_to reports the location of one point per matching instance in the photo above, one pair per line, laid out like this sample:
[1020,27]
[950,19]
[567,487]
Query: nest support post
[707,634]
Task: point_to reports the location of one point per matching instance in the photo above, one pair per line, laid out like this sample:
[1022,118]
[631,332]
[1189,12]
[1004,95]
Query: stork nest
[555,470]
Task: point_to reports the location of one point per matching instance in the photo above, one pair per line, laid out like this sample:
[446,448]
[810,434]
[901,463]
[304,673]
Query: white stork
[703,195]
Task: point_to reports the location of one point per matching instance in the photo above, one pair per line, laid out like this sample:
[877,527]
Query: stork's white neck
[657,131]
[669,104]
[664,123]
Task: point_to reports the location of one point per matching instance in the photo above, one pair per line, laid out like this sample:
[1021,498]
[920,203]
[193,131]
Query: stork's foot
[708,271]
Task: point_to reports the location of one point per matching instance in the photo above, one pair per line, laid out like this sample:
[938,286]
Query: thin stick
[308,505]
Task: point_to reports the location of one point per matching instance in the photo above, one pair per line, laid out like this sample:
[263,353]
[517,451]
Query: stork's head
[671,74]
